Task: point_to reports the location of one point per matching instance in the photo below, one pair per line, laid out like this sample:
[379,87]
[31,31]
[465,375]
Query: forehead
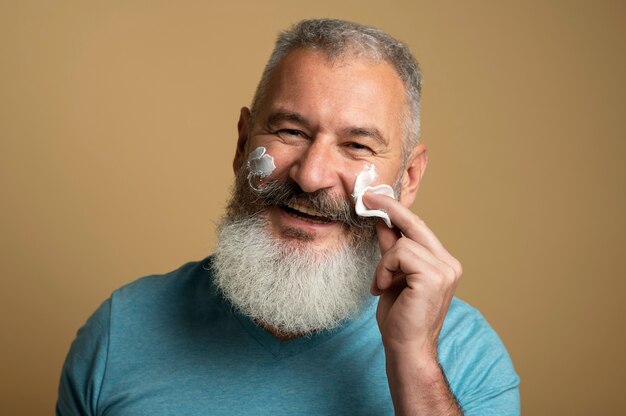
[338,92]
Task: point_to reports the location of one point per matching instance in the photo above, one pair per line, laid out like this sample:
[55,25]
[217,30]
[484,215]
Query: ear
[412,175]
[242,140]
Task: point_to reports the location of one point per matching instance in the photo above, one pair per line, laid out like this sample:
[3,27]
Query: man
[281,320]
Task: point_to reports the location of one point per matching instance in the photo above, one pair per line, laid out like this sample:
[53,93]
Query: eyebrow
[371,132]
[278,117]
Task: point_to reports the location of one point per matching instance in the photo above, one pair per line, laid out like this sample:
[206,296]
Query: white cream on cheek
[361,186]
[260,165]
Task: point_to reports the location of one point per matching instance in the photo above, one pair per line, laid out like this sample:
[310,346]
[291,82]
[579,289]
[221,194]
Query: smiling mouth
[305,213]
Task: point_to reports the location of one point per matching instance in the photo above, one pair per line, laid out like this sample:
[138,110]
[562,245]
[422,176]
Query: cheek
[388,177]
[284,157]
[355,173]
[281,154]
[377,174]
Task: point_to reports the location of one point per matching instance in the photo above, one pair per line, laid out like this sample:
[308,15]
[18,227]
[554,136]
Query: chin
[293,284]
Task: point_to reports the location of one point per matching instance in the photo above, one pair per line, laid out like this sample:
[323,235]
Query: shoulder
[189,275]
[463,320]
[466,333]
[123,325]
[475,360]
[156,301]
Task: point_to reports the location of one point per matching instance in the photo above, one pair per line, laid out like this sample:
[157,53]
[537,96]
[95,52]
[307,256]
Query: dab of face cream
[361,186]
[260,165]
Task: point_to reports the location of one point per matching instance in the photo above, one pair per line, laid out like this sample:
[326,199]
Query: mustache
[280,192]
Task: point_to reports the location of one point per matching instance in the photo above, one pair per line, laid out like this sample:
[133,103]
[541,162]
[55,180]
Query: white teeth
[304,209]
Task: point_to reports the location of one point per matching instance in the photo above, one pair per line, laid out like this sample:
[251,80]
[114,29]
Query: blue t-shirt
[171,345]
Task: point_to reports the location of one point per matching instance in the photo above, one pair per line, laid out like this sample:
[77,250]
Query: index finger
[409,223]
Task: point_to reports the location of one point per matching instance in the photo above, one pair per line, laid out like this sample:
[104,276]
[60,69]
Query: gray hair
[338,39]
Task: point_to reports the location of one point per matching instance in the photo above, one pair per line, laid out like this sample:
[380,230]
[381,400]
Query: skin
[323,122]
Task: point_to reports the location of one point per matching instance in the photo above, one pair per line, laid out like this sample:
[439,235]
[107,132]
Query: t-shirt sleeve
[84,368]
[480,370]
[492,383]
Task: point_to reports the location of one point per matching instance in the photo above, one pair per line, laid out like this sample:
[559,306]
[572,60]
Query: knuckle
[441,275]
[450,273]
[417,222]
[458,268]
[404,251]
[403,247]
[379,269]
[402,242]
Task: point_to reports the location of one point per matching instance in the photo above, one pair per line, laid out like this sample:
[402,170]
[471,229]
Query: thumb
[387,237]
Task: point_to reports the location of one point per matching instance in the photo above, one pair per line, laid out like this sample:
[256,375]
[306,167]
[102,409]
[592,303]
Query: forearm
[419,387]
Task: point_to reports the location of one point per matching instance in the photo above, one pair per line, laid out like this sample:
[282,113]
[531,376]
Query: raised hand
[415,279]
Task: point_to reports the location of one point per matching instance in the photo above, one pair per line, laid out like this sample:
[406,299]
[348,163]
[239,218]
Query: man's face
[291,252]
[323,123]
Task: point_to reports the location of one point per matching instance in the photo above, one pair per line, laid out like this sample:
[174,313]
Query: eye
[359,147]
[290,134]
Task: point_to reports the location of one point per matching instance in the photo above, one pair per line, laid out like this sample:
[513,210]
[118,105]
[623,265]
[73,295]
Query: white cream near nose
[361,186]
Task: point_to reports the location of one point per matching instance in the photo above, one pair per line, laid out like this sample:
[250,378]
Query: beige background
[117,128]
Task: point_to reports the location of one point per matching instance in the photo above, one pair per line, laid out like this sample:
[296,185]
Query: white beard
[288,286]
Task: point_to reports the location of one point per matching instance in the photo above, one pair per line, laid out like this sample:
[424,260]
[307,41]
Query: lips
[306,213]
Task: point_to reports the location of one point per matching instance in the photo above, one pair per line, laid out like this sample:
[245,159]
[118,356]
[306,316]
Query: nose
[316,168]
